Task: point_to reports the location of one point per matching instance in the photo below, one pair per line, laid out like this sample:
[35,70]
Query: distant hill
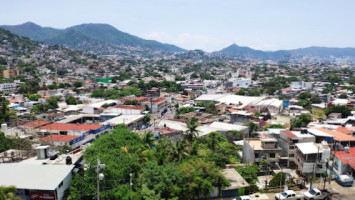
[246,52]
[87,37]
[322,52]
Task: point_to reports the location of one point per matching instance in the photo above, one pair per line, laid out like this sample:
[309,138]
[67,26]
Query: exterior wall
[65,186]
[248,153]
[238,83]
[8,87]
[126,111]
[135,125]
[239,119]
[339,167]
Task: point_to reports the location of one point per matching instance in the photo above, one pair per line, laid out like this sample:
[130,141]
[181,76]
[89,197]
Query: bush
[275,181]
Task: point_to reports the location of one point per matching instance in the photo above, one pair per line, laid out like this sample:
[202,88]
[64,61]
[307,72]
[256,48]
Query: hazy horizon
[202,24]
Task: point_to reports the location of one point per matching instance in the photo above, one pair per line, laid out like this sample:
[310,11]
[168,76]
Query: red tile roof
[289,134]
[36,123]
[339,136]
[67,127]
[61,138]
[140,98]
[347,158]
[133,107]
[346,130]
[157,100]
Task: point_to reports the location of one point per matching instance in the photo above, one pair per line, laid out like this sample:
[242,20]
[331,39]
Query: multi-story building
[311,157]
[256,150]
[287,142]
[8,87]
[7,73]
[157,106]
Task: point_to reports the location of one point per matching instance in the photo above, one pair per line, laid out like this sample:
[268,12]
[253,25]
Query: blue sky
[202,24]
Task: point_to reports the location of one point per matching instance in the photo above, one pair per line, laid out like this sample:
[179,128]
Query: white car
[245,197]
[316,194]
[288,195]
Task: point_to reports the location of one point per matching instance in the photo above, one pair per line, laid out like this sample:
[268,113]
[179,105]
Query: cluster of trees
[115,93]
[277,83]
[70,100]
[160,169]
[7,143]
[184,110]
[5,112]
[306,99]
[302,121]
[131,102]
[51,103]
[345,112]
[247,92]
[8,193]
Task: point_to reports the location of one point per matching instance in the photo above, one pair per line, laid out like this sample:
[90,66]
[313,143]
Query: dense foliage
[161,170]
[302,121]
[115,93]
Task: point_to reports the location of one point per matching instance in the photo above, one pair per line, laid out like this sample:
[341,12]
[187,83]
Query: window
[256,155]
[272,155]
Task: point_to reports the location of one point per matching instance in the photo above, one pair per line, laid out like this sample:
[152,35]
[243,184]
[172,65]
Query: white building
[235,83]
[8,87]
[310,156]
[35,181]
[301,85]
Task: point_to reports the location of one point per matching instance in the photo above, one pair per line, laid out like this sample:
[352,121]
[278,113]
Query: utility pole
[314,169]
[100,176]
[130,183]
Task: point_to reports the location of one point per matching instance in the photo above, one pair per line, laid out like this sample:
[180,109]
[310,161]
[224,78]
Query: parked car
[344,180]
[289,195]
[245,197]
[315,194]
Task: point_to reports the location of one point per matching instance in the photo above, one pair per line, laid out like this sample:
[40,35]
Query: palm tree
[252,127]
[191,133]
[179,150]
[7,193]
[148,139]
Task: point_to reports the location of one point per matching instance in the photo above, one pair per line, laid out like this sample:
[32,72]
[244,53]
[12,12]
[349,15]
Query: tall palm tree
[252,127]
[191,133]
[148,139]
[179,150]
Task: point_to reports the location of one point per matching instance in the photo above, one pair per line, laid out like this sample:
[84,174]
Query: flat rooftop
[33,177]
[236,180]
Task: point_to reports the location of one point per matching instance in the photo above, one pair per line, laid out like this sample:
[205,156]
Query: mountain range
[87,37]
[102,38]
[321,52]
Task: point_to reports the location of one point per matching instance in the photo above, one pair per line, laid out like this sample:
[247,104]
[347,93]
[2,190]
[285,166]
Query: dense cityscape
[90,112]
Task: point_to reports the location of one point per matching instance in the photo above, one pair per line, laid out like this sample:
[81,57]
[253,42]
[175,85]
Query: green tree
[146,119]
[70,100]
[252,128]
[248,172]
[34,97]
[211,108]
[279,177]
[343,96]
[240,92]
[5,143]
[192,132]
[345,112]
[302,121]
[8,193]
[78,84]
[4,110]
